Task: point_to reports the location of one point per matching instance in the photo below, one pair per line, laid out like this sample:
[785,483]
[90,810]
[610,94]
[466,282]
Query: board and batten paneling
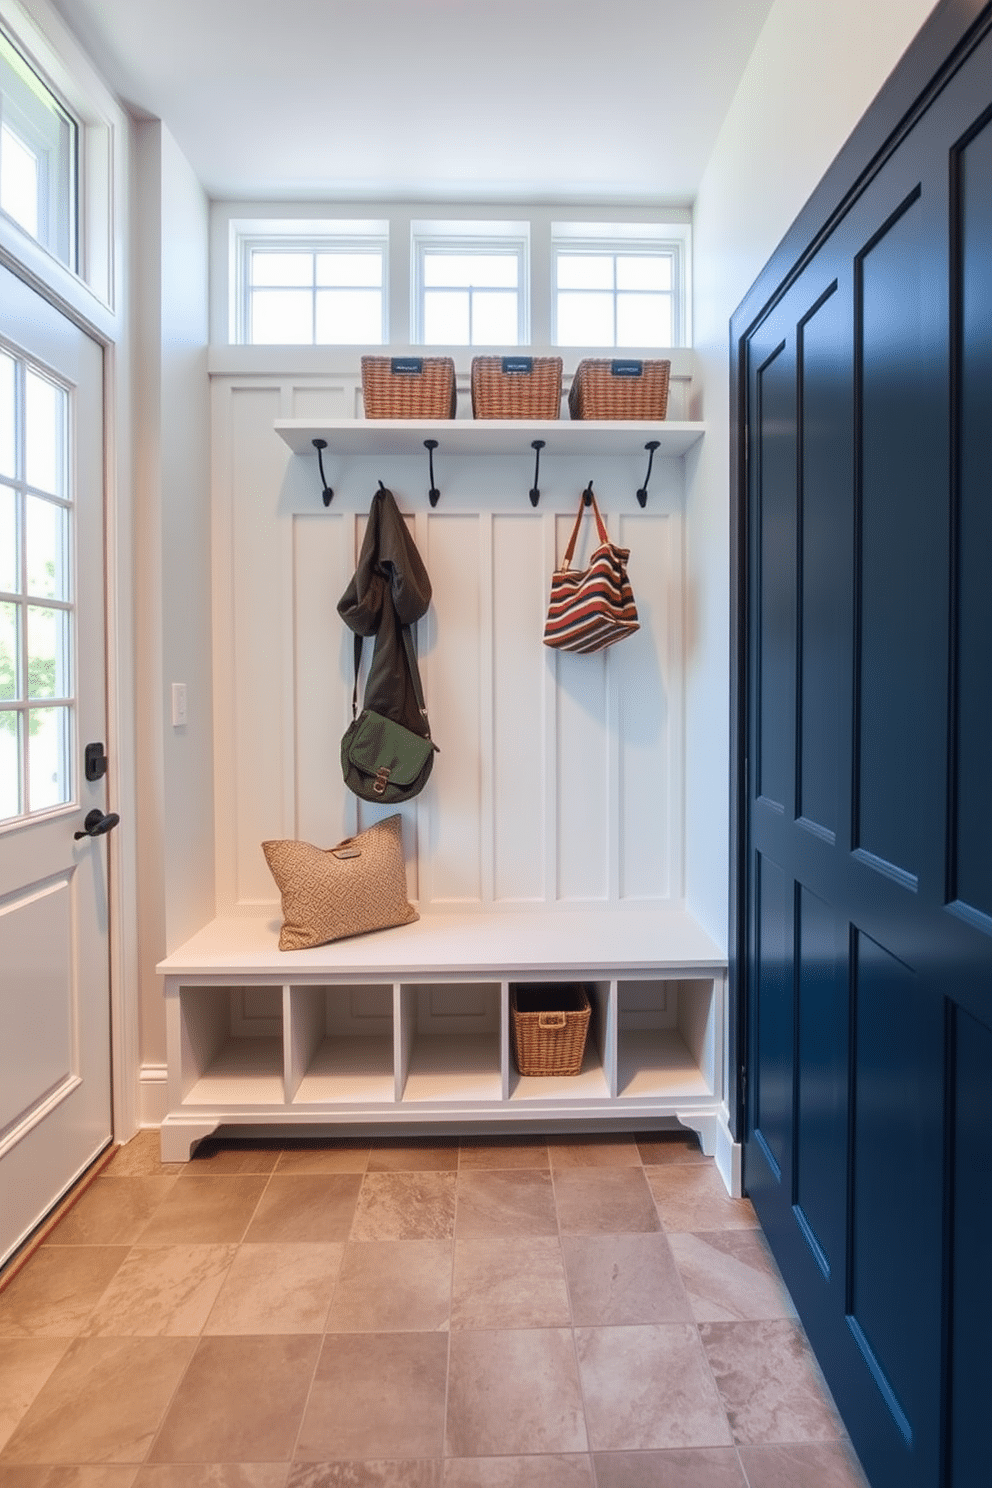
[559,781]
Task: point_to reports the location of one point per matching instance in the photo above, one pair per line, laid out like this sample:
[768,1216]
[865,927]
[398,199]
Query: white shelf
[348,1071]
[488,436]
[244,1072]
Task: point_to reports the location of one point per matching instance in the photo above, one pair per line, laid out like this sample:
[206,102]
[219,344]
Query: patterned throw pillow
[350,889]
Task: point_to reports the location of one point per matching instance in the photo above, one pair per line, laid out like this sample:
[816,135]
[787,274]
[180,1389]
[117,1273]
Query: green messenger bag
[381,759]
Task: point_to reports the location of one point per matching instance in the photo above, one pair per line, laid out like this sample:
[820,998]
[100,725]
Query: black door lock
[94,762]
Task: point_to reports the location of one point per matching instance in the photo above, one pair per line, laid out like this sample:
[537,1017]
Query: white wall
[172,465]
[813,73]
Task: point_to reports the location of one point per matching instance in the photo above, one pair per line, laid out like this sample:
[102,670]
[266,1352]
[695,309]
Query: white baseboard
[153,1100]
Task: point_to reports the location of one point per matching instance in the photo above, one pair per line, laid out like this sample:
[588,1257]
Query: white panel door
[55,1109]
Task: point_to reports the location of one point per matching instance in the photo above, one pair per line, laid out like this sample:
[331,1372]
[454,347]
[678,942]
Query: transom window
[38,148]
[618,294]
[37,611]
[326,293]
[470,287]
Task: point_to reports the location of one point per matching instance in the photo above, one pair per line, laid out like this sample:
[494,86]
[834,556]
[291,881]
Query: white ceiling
[435,100]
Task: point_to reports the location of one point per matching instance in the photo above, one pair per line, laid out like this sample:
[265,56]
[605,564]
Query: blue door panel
[970,1437]
[773,1071]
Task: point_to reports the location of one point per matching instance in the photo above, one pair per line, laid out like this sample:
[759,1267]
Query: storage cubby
[340,1044]
[451,1035]
[231,1048]
[593,1082]
[665,1042]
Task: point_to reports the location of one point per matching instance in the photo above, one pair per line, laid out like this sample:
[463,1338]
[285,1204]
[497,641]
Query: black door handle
[95,823]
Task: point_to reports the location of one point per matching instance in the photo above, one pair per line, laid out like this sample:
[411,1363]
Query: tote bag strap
[604,536]
[411,657]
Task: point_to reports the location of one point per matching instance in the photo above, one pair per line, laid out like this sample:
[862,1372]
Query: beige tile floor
[571,1313]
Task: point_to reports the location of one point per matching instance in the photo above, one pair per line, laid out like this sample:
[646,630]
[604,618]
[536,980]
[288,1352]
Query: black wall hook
[320,445]
[587,495]
[434,495]
[536,445]
[642,494]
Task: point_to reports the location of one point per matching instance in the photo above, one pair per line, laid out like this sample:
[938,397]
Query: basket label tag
[518,364]
[406,366]
[626,369]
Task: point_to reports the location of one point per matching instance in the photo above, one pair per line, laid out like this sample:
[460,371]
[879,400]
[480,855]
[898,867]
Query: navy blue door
[866,847]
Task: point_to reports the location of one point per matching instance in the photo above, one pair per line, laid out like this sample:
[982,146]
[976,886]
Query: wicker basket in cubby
[621,388]
[525,387]
[550,1021]
[409,387]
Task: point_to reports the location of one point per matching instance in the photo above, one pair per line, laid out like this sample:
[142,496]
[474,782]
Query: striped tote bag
[591,608]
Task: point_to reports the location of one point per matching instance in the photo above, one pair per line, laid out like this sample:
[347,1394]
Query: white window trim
[34,124]
[631,237]
[306,235]
[468,237]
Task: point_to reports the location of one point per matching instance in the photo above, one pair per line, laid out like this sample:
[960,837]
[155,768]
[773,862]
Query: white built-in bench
[411,1026]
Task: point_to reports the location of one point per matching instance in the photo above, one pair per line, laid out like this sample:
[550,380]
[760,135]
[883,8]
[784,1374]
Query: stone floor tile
[276,1289]
[25,1365]
[161,1291]
[300,1208]
[413,1155]
[513,1392]
[113,1211]
[521,1285]
[141,1157]
[503,1152]
[240,1400]
[213,1475]
[808,1465]
[661,1149]
[405,1206]
[56,1291]
[126,1384]
[216,1158]
[505,1203]
[425,1473]
[376,1396]
[648,1387]
[557,1471]
[83,1475]
[770,1384]
[617,1279]
[730,1276]
[392,1286]
[612,1150]
[693,1199]
[324,1157]
[606,1201]
[699,1467]
[204,1211]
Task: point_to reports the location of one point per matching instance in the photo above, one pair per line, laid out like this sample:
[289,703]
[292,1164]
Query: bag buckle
[381,780]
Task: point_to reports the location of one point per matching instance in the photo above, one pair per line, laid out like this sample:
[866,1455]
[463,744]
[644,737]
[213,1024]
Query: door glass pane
[10,766]
[282,317]
[44,443]
[48,653]
[494,318]
[8,448]
[446,318]
[48,758]
[8,541]
[47,548]
[9,653]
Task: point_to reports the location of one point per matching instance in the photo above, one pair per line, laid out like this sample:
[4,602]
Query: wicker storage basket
[550,1021]
[408,387]
[516,387]
[619,389]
